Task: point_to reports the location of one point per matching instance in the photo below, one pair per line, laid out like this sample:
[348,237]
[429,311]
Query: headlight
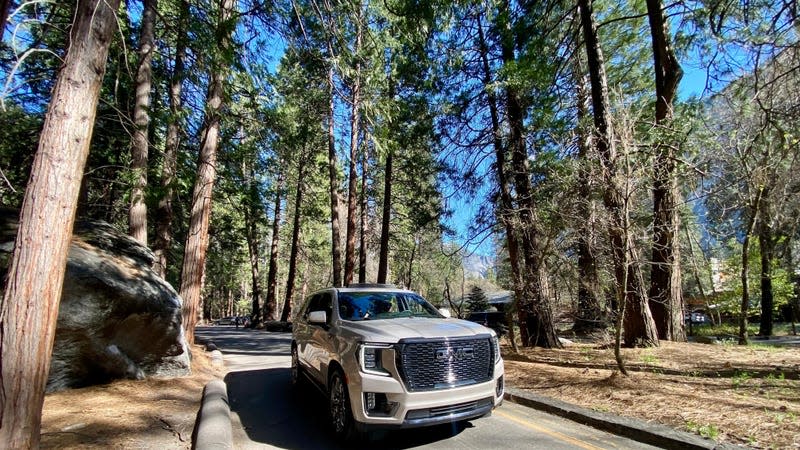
[496,343]
[370,358]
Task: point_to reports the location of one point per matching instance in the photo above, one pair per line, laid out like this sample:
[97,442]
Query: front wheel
[341,415]
[296,369]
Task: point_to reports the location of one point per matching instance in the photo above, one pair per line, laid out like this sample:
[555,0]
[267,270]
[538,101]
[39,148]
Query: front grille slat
[443,364]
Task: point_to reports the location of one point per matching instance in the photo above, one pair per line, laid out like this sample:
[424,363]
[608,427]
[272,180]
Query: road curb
[638,430]
[213,430]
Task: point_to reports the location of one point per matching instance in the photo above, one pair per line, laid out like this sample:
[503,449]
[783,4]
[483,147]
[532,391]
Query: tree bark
[505,211]
[252,217]
[35,277]
[639,325]
[744,307]
[589,312]
[362,250]
[298,203]
[137,215]
[666,292]
[383,258]
[194,259]
[271,303]
[767,244]
[333,173]
[355,116]
[766,241]
[165,215]
[535,303]
[410,271]
[5,6]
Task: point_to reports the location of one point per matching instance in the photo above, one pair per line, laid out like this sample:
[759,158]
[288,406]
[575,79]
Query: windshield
[383,305]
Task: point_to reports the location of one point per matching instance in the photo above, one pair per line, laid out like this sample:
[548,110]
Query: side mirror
[318,317]
[445,312]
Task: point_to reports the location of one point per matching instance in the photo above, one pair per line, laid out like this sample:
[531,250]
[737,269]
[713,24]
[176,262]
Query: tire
[341,415]
[297,370]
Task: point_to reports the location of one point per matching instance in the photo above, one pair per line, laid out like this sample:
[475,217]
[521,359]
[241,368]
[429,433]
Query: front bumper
[419,409]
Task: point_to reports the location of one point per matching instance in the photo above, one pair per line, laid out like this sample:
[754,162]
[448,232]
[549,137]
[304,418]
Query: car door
[314,339]
[303,331]
[317,352]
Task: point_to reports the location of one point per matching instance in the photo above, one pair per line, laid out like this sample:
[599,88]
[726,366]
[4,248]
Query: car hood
[393,330]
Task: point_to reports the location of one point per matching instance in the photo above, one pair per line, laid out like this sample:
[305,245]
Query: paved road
[266,413]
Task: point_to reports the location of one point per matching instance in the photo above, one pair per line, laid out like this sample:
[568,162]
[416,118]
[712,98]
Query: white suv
[387,358]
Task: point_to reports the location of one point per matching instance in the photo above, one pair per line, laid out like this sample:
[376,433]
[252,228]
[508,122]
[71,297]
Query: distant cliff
[478,266]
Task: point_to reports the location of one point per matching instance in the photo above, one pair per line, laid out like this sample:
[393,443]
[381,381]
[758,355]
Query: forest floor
[147,414]
[746,395]
[742,395]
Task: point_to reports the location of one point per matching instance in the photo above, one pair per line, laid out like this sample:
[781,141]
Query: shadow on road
[244,341]
[273,413]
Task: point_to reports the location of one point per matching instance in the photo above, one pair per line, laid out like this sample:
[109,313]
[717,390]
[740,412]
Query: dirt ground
[148,414]
[742,395]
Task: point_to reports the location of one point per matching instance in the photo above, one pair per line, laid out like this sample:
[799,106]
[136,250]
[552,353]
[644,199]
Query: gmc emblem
[454,354]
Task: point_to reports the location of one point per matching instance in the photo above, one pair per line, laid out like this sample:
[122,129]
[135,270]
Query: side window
[320,302]
[312,305]
[325,304]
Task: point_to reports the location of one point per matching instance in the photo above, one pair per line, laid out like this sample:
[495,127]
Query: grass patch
[649,358]
[740,379]
[732,329]
[708,431]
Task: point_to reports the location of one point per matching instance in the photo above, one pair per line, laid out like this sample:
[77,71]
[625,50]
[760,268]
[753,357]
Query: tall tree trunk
[383,258]
[36,274]
[744,307]
[271,302]
[194,258]
[589,314]
[298,203]
[666,293]
[5,6]
[410,271]
[252,217]
[355,116]
[333,173]
[767,244]
[766,241]
[362,251]
[639,325]
[505,211]
[165,215]
[137,220]
[535,303]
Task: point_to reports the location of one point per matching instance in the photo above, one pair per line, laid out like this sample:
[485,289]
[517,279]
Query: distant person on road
[236,321]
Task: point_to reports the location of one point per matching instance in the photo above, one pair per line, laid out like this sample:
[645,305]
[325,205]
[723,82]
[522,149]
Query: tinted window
[383,305]
[320,302]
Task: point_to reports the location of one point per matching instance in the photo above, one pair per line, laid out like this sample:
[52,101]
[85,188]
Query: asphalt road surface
[267,413]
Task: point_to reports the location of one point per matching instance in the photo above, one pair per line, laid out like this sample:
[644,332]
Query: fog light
[499,388]
[377,404]
[370,400]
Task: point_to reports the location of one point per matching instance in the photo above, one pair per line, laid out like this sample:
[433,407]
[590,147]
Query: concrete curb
[638,430]
[213,430]
[217,359]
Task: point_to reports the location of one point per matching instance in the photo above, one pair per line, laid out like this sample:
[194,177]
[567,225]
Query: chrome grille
[442,364]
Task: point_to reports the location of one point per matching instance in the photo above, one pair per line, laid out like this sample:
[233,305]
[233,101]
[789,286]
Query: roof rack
[372,285]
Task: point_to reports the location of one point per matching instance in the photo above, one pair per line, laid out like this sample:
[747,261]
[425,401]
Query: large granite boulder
[117,318]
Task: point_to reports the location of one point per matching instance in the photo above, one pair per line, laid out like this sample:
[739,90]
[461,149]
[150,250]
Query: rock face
[117,318]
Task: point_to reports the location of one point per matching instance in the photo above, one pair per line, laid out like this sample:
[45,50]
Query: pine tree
[477,300]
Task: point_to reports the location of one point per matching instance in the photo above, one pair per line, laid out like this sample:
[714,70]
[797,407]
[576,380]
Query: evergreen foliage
[477,299]
[434,85]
